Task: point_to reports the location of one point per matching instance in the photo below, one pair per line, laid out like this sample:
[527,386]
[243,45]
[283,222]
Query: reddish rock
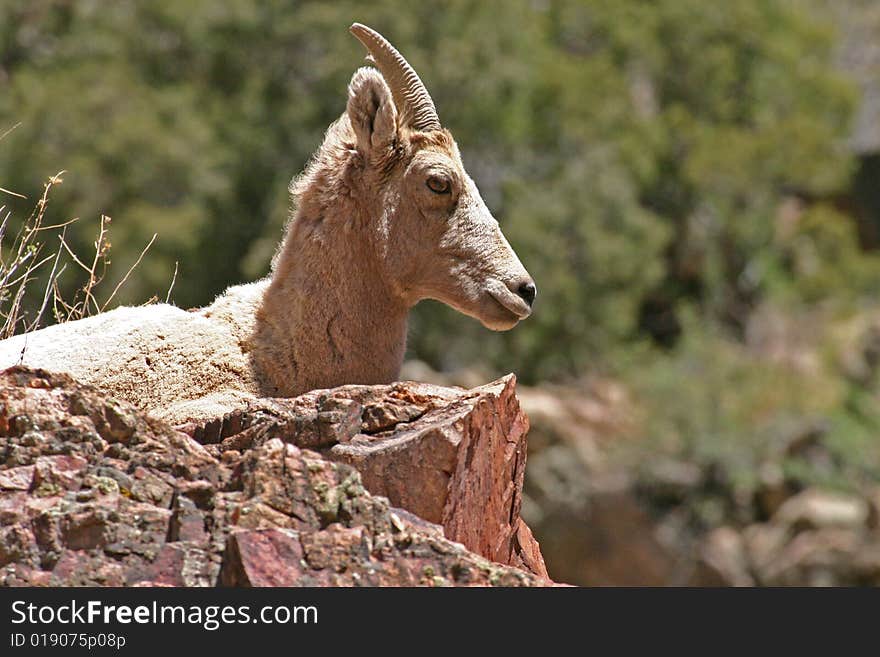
[187,522]
[95,493]
[454,457]
[85,530]
[18,545]
[262,557]
[57,473]
[17,478]
[175,564]
[528,551]
[81,568]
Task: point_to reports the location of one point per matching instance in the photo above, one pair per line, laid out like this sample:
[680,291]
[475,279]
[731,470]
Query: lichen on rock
[95,492]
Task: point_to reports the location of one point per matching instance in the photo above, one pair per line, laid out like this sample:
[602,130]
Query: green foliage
[823,261]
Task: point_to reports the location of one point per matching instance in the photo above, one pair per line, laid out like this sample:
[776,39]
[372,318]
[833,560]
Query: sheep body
[179,365]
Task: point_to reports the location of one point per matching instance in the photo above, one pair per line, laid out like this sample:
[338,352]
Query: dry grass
[25,257]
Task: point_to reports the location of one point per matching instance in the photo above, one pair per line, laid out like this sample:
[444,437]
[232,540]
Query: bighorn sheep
[385,215]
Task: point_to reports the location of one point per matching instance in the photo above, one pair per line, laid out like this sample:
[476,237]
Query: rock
[724,551]
[763,542]
[812,550]
[602,521]
[823,557]
[671,480]
[451,456]
[471,454]
[263,557]
[528,551]
[817,509]
[95,493]
[57,473]
[17,478]
[581,419]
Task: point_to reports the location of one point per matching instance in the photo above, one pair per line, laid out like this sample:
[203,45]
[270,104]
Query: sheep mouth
[511,303]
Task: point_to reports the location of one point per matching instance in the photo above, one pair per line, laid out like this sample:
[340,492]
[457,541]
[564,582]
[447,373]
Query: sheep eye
[438,185]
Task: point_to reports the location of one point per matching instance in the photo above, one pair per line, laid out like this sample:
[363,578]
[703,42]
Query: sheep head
[437,238]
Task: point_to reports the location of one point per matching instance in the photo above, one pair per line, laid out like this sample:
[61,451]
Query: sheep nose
[527,291]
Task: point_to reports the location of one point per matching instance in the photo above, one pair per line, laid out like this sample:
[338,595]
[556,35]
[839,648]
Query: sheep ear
[371,111]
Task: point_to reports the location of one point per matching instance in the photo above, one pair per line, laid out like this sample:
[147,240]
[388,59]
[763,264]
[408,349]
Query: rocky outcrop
[93,492]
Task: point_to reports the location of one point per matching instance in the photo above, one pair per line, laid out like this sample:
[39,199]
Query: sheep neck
[329,305]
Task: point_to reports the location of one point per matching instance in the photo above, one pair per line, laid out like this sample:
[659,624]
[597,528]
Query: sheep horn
[410,95]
